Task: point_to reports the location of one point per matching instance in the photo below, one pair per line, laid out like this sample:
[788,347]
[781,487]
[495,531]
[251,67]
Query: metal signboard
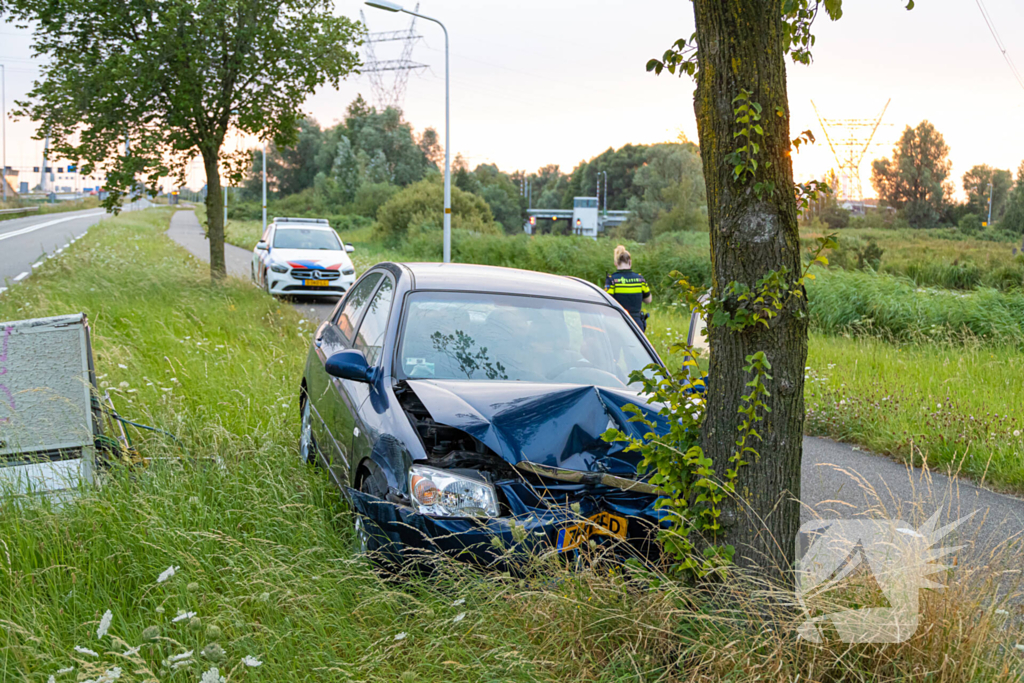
[48,416]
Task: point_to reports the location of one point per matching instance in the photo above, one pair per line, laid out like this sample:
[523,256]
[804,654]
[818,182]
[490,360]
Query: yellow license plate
[601,524]
[317,283]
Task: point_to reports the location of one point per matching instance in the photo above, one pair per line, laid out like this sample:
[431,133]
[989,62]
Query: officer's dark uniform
[629,289]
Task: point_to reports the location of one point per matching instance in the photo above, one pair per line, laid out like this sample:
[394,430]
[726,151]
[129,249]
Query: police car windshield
[476,336]
[304,238]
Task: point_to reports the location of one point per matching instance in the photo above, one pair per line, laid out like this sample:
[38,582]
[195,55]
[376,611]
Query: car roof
[467,277]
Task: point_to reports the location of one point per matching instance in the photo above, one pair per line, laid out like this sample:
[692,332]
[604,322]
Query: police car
[302,257]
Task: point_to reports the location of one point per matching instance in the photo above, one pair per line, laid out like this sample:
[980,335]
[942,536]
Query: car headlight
[348,271]
[278,268]
[446,494]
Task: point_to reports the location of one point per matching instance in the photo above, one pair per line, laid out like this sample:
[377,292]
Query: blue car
[458,404]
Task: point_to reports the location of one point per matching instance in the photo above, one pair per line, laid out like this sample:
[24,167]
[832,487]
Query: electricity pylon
[390,92]
[849,142]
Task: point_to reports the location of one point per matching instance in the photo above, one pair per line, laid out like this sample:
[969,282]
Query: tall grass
[263,548]
[866,304]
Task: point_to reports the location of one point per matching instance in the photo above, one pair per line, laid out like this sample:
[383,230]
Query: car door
[370,340]
[331,399]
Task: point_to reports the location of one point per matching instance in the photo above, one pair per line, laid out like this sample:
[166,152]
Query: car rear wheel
[307,446]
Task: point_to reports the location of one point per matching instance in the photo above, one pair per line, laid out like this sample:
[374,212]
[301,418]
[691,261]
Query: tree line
[915,181]
[354,167]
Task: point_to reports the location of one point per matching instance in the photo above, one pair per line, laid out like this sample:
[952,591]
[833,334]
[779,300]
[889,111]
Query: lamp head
[384,5]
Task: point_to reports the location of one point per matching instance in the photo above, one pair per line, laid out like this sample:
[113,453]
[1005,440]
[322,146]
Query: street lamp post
[3,99]
[264,190]
[392,7]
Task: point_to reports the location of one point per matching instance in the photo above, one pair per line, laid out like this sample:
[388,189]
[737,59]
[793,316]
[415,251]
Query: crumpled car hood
[559,425]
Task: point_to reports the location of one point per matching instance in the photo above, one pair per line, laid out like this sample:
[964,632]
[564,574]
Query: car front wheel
[369,537]
[307,446]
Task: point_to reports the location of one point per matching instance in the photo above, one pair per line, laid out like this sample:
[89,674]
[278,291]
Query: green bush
[970,224]
[419,207]
[370,197]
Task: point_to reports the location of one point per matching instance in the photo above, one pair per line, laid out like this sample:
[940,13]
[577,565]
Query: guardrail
[28,208]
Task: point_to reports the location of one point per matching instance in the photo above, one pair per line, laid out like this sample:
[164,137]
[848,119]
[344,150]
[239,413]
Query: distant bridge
[585,218]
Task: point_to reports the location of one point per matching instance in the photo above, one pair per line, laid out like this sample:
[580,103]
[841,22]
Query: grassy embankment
[262,549]
[932,375]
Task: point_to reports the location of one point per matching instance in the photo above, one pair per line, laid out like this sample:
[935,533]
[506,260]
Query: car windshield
[304,238]
[458,335]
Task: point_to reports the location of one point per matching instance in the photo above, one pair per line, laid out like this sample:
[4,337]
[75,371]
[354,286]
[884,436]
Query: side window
[370,339]
[355,304]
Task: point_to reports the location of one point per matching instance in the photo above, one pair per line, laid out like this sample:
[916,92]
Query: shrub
[420,206]
[969,223]
[370,197]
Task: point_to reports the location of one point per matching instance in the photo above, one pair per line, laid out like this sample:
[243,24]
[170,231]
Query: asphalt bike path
[839,481]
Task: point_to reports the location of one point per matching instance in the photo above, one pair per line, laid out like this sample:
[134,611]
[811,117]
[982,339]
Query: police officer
[629,288]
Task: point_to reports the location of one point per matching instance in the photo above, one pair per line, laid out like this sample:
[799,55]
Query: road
[25,241]
[838,480]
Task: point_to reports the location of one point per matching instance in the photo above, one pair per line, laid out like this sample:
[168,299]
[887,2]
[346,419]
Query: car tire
[307,444]
[266,282]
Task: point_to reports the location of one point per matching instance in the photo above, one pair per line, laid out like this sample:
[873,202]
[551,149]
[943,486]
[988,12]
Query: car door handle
[318,341]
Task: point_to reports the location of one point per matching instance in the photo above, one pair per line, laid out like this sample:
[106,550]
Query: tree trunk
[741,48]
[215,215]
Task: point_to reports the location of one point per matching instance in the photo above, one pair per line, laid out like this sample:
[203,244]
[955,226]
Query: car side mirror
[261,245]
[349,248]
[349,364]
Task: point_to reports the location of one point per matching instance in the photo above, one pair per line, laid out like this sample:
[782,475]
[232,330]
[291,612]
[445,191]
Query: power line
[999,41]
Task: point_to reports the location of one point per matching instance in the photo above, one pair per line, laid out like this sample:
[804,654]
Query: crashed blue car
[451,403]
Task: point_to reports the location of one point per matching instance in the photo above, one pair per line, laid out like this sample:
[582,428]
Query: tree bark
[215,215]
[741,48]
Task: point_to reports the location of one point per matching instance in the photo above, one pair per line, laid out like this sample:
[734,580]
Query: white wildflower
[182,616]
[213,676]
[1016,432]
[174,379]
[85,651]
[460,601]
[184,662]
[459,617]
[842,402]
[938,406]
[167,573]
[122,366]
[104,626]
[51,679]
[249,660]
[177,658]
[401,636]
[132,651]
[65,670]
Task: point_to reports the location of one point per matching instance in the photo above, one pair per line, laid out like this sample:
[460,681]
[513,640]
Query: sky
[537,82]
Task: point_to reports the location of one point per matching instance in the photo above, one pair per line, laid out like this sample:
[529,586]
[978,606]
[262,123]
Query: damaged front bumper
[535,525]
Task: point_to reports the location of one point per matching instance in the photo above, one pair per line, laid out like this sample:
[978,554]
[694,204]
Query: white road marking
[66,245]
[40,226]
[19,278]
[37,264]
[59,250]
